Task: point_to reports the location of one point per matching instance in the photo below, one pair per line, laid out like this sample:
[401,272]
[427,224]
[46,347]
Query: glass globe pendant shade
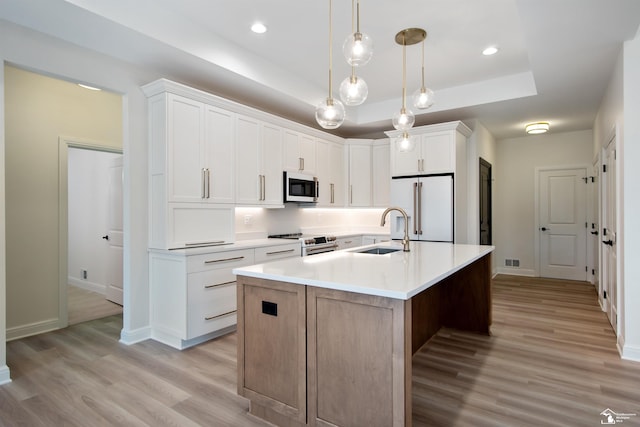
[353,90]
[357,49]
[403,120]
[330,113]
[405,143]
[423,98]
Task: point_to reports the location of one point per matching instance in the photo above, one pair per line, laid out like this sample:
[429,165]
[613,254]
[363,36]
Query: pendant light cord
[422,87]
[404,72]
[330,51]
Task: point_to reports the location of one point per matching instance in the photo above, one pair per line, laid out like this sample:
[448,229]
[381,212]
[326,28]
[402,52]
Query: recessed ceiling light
[88,87]
[538,127]
[491,50]
[259,28]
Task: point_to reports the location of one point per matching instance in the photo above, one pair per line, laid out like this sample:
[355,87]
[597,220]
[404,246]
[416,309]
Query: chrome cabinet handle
[207,182]
[300,164]
[203,191]
[280,252]
[264,187]
[317,184]
[351,194]
[213,261]
[215,242]
[219,284]
[220,315]
[332,195]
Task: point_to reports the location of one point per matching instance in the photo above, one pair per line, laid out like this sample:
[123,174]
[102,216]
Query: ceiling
[554,63]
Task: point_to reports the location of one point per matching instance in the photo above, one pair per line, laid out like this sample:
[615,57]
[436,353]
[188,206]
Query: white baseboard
[5,377]
[516,271]
[629,352]
[87,285]
[36,328]
[135,336]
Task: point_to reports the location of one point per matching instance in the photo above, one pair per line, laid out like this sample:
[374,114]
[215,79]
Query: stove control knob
[309,242]
[331,239]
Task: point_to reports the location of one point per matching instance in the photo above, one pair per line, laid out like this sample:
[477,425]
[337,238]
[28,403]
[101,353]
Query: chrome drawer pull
[280,252]
[220,315]
[211,261]
[216,242]
[219,284]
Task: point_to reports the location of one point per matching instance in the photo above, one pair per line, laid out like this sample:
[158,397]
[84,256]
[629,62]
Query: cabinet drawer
[269,253]
[211,302]
[218,260]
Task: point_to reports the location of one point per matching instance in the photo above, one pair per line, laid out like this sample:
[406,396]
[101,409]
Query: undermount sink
[379,251]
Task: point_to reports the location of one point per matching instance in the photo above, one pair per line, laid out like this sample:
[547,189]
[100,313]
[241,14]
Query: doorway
[485,202]
[94,231]
[561,207]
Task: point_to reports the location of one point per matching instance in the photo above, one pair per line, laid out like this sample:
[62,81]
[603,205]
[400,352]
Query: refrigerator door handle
[419,215]
[415,208]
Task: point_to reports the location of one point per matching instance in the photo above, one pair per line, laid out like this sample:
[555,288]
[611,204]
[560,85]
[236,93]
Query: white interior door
[609,235]
[562,223]
[114,235]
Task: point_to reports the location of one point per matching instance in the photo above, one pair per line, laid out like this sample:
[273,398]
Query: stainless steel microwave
[299,187]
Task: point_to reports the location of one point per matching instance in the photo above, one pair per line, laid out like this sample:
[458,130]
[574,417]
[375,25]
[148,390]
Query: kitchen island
[328,339]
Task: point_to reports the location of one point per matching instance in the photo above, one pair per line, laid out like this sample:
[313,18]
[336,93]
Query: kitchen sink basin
[379,251]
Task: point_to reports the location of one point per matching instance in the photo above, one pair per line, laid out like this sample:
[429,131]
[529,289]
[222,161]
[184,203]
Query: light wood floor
[551,360]
[84,305]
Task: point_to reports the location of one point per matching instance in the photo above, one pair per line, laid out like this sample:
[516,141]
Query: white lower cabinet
[193,296]
[349,242]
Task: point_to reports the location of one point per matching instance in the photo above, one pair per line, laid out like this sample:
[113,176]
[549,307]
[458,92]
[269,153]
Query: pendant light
[423,97]
[353,89]
[330,112]
[358,46]
[404,119]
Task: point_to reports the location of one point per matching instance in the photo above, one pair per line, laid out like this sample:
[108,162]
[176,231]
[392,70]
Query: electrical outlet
[83,274]
[248,220]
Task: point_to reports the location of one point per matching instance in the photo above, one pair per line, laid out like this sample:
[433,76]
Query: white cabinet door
[185,149]
[381,176]
[323,173]
[438,152]
[299,152]
[337,184]
[271,164]
[360,175]
[248,171]
[219,140]
[406,163]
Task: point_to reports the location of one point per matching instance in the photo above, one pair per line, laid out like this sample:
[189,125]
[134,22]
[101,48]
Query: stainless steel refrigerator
[428,201]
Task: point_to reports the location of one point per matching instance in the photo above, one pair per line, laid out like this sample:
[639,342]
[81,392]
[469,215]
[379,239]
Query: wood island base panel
[313,356]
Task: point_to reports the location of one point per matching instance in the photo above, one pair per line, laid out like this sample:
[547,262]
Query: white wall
[514,190]
[630,188]
[88,201]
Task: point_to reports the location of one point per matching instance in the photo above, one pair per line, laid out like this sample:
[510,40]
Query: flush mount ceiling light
[330,112]
[358,46]
[536,128]
[353,89]
[423,97]
[259,28]
[491,50]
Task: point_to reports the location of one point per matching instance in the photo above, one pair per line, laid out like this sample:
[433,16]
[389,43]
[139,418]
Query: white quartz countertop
[398,275]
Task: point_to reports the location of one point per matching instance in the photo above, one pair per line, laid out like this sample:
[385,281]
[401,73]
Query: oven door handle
[322,248]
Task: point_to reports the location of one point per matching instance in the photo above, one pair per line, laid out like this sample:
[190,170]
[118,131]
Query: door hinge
[586,268]
[604,168]
[604,294]
[593,271]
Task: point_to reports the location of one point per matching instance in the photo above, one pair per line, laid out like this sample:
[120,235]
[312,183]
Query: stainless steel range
[311,245]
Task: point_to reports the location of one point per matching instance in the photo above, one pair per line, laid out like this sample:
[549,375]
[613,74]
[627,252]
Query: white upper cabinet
[436,150]
[330,173]
[258,163]
[359,173]
[299,152]
[380,173]
[200,147]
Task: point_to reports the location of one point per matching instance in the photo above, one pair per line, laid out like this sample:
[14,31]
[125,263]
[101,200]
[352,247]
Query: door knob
[106,237]
[595,233]
[608,242]
[543,229]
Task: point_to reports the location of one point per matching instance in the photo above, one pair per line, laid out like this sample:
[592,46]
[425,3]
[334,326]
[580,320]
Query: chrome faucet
[405,240]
